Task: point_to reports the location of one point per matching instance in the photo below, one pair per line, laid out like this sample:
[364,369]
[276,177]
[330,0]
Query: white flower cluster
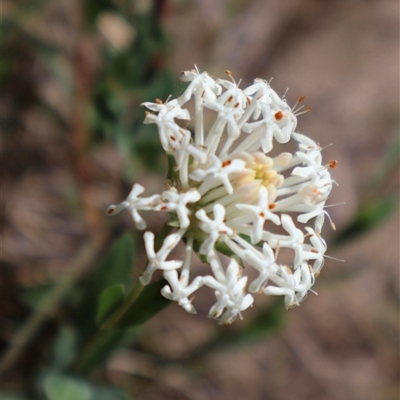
[225,195]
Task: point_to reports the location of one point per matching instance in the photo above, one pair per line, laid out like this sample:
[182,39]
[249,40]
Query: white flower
[179,289]
[182,152]
[230,294]
[315,250]
[133,203]
[259,214]
[226,194]
[293,285]
[264,263]
[171,200]
[214,227]
[294,241]
[218,172]
[168,130]
[201,85]
[278,120]
[157,260]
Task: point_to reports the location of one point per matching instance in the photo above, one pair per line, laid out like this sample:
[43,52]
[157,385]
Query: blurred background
[73,76]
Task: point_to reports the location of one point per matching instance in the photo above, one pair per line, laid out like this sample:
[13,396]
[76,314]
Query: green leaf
[59,387]
[117,264]
[110,299]
[115,269]
[99,348]
[147,304]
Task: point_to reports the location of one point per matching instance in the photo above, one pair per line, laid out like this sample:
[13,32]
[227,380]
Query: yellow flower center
[259,172]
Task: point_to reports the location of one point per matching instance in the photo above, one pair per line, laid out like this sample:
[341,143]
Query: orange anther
[333,163]
[279,115]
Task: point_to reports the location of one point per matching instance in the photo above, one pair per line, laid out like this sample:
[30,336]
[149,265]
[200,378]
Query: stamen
[333,163]
[229,73]
[110,210]
[334,258]
[306,110]
[330,220]
[299,100]
[334,205]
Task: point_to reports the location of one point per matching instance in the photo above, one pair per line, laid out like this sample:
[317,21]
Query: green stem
[129,300]
[112,322]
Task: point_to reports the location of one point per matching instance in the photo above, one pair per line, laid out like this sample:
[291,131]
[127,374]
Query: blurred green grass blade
[375,206]
[59,387]
[368,217]
[109,394]
[64,347]
[389,161]
[263,325]
[109,300]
